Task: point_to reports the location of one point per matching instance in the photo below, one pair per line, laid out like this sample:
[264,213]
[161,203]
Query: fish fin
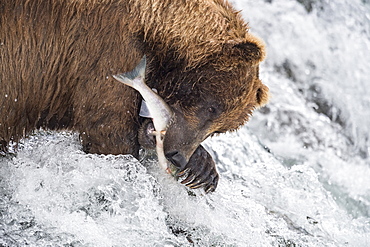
[144,110]
[128,77]
[122,78]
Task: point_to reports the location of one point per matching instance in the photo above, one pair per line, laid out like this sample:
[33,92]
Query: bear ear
[251,48]
[263,96]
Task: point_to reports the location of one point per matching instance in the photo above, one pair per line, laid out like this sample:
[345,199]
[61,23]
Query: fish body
[159,110]
[153,106]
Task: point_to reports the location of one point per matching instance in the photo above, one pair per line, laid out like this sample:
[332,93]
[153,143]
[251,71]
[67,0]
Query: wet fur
[57,58]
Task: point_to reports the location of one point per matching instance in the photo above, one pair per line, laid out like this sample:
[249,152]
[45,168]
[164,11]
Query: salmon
[153,106]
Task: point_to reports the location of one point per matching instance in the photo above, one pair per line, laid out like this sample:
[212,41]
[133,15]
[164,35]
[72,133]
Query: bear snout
[177,159]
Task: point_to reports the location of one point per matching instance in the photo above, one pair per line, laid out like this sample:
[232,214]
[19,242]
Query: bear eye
[211,110]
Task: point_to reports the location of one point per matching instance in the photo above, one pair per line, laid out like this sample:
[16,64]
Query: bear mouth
[146,135]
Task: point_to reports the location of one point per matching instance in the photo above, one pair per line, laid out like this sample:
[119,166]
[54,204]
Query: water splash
[53,194]
[317,72]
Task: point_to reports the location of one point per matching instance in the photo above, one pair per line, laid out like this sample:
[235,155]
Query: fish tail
[139,70]
[122,78]
[128,77]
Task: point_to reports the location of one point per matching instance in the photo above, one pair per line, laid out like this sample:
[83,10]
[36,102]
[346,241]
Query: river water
[296,175]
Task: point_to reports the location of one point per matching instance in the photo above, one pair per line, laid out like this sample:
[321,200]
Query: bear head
[217,96]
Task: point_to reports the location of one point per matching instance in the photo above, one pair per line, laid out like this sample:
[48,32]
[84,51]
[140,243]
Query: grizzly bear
[58,57]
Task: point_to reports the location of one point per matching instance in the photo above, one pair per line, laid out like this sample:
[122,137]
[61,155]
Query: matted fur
[57,58]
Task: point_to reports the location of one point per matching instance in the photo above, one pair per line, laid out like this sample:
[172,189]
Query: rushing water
[296,175]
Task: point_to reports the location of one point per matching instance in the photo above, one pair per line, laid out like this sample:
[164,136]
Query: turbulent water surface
[296,175]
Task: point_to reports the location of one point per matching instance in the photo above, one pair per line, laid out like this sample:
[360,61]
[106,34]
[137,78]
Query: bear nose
[177,159]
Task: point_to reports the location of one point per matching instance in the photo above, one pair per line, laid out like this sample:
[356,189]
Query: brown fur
[57,58]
